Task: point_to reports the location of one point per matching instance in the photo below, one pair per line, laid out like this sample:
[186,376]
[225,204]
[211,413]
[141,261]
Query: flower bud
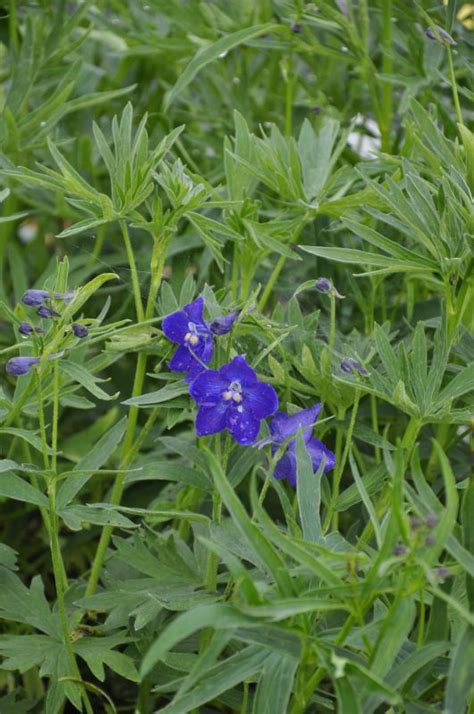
[79,330]
[323,285]
[296,27]
[431,520]
[34,297]
[222,325]
[26,329]
[430,540]
[441,573]
[350,365]
[47,312]
[439,36]
[400,549]
[20,365]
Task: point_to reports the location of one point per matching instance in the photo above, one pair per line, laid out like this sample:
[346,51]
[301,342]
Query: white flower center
[191,337]
[233,392]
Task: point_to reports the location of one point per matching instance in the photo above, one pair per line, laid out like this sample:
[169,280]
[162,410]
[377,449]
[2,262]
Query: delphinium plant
[236,354]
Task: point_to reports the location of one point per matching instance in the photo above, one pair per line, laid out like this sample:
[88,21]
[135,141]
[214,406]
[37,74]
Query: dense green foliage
[237,150]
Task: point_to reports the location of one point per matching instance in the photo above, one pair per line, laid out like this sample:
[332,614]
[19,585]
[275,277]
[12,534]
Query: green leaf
[82,376]
[219,616]
[92,461]
[361,257]
[275,685]
[12,486]
[26,435]
[249,529]
[461,674]
[165,394]
[224,676]
[209,54]
[308,491]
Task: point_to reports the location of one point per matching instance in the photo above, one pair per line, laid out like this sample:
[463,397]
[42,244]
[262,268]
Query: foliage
[304,172]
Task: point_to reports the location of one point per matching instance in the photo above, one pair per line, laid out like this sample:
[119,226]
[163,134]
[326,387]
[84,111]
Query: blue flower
[20,365]
[232,398]
[282,427]
[189,330]
[35,297]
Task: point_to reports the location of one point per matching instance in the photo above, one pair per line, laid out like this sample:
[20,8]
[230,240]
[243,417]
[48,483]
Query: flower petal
[223,324]
[207,388]
[182,360]
[195,311]
[282,426]
[286,467]
[261,399]
[243,426]
[239,370]
[211,420]
[318,451]
[176,326]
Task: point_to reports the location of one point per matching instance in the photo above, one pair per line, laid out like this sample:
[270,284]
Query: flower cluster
[232,397]
[47,308]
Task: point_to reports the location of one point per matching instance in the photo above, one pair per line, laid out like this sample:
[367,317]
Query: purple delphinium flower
[47,312]
[79,330]
[232,398]
[189,330]
[223,324]
[35,297]
[282,427]
[20,365]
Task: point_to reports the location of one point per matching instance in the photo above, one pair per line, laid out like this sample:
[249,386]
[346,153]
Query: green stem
[59,571]
[13,26]
[290,85]
[387,69]
[342,462]
[271,283]
[133,270]
[454,87]
[375,424]
[128,450]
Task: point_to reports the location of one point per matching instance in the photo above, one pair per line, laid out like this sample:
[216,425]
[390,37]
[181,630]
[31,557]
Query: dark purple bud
[296,27]
[66,297]
[439,36]
[26,329]
[35,297]
[222,325]
[20,365]
[316,109]
[400,549]
[350,365]
[323,285]
[430,540]
[80,330]
[47,312]
[441,573]
[415,522]
[431,520]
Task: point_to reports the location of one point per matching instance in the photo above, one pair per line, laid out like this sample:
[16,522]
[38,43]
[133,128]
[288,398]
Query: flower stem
[342,462]
[128,451]
[454,87]
[133,270]
[59,571]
